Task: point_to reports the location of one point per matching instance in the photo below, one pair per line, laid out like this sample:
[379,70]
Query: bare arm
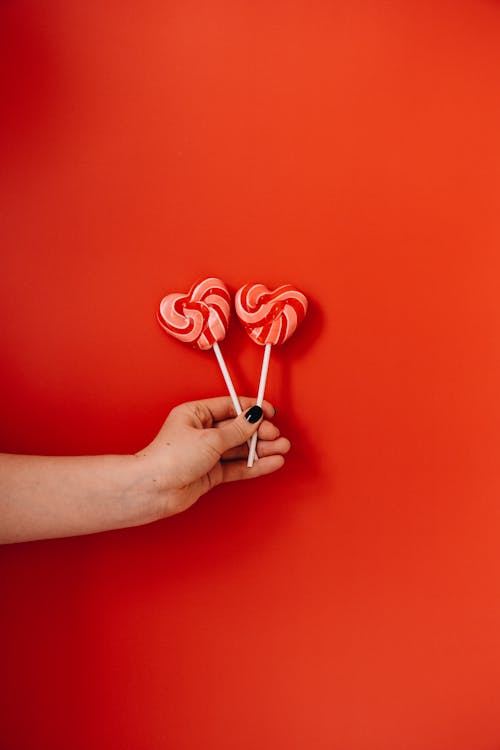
[45,496]
[200,445]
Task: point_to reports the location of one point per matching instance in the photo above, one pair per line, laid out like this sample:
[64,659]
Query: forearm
[43,497]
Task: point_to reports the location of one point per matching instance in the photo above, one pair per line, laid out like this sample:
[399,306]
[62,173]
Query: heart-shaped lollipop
[201,318]
[269,318]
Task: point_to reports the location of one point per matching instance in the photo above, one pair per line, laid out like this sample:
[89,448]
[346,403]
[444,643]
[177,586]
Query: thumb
[239,430]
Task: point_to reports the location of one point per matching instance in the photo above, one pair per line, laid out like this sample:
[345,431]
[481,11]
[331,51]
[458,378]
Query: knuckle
[213,446]
[200,413]
[239,432]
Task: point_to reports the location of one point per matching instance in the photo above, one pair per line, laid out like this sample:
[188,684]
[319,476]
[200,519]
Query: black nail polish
[254,414]
[275,411]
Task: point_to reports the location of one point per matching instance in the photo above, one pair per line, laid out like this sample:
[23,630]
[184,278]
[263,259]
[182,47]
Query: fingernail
[254,414]
[275,411]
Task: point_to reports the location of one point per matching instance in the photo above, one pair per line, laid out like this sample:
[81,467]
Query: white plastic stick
[228,381]
[260,398]
[227,378]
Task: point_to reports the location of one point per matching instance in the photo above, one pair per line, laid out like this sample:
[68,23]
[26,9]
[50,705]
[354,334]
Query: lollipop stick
[260,398]
[228,381]
[227,378]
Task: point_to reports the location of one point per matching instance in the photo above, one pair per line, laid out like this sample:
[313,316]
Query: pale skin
[200,445]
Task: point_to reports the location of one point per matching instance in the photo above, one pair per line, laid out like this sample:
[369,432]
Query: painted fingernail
[275,411]
[254,414]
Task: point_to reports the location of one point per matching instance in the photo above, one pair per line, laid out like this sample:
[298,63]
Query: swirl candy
[200,317]
[270,317]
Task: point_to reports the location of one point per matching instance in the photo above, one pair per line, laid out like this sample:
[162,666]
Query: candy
[270,317]
[199,318]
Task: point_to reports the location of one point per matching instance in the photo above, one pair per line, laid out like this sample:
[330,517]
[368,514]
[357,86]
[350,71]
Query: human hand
[202,444]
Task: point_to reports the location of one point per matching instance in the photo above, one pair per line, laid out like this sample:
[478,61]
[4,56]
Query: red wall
[351,601]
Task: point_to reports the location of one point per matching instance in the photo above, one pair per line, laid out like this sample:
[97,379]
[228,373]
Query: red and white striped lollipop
[201,318]
[269,318]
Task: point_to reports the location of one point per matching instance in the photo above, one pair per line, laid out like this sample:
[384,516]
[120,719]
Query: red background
[351,147]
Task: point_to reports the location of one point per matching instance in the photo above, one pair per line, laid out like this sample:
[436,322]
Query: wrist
[145,494]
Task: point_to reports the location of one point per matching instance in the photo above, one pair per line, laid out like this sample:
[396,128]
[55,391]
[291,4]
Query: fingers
[237,431]
[267,430]
[279,446]
[233,471]
[206,412]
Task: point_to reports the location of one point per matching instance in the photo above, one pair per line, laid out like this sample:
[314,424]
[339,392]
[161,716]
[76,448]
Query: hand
[203,444]
[200,445]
